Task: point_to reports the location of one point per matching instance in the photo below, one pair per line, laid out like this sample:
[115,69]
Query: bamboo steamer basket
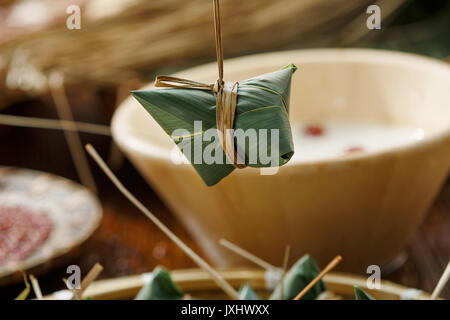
[199,285]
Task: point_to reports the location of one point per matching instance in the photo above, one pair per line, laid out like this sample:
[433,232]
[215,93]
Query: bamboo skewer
[36,287]
[225,286]
[74,292]
[56,85]
[247,255]
[441,283]
[287,252]
[87,280]
[43,123]
[327,269]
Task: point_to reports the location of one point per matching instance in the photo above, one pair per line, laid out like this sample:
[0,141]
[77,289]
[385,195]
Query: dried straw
[441,283]
[120,41]
[53,124]
[55,83]
[225,286]
[36,287]
[287,252]
[247,255]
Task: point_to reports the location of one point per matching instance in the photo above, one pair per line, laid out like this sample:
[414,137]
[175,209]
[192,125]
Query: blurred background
[123,44]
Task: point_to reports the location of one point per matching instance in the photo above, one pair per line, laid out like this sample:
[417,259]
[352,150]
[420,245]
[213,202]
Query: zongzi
[360,294]
[261,135]
[160,287]
[298,277]
[247,293]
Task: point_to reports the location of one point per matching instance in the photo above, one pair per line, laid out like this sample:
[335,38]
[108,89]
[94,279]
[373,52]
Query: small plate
[73,210]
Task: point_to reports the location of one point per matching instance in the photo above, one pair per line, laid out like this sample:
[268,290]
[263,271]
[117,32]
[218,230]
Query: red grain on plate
[21,233]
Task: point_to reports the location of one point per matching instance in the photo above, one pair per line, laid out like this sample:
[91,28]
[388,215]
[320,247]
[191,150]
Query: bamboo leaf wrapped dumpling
[247,293]
[298,277]
[262,132]
[360,294]
[160,287]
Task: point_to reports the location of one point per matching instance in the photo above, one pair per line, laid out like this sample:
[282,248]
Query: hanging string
[226,94]
[218,33]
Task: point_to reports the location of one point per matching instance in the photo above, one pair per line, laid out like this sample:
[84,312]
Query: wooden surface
[127,243]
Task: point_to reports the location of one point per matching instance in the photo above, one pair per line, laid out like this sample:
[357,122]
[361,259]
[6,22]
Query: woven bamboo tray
[198,284]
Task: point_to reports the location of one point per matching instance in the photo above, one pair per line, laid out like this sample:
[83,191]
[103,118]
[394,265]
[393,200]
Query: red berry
[314,130]
[353,150]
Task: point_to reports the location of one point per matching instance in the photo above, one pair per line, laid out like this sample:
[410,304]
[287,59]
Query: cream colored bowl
[365,207]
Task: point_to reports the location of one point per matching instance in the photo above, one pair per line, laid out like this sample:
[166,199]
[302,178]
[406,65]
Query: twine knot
[226,94]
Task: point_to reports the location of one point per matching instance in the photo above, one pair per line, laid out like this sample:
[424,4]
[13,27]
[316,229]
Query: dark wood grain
[127,243]
[429,252]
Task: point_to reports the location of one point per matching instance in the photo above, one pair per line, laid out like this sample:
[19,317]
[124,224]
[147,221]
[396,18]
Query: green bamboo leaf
[360,294]
[298,277]
[24,294]
[263,103]
[161,287]
[247,293]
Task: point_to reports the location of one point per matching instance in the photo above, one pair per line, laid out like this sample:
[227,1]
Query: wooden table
[127,243]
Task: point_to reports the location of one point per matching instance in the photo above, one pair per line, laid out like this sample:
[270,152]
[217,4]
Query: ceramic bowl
[365,206]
